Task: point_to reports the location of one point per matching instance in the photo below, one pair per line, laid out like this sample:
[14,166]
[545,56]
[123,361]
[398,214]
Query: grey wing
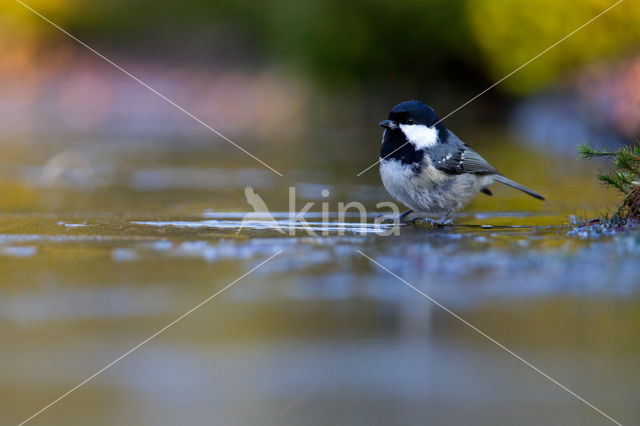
[463,159]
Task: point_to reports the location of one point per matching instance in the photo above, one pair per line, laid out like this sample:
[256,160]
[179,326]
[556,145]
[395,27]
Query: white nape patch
[420,135]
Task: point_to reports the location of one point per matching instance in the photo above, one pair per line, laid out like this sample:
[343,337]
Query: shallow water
[102,245]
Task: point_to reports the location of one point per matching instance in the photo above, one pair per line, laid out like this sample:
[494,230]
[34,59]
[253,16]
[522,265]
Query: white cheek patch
[420,135]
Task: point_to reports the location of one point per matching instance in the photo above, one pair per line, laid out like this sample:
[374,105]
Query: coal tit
[428,168]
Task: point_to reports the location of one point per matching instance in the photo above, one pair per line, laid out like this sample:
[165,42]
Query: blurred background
[119,212]
[269,70]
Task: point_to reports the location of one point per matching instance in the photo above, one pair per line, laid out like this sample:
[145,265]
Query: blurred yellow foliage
[13,13]
[20,31]
[510,32]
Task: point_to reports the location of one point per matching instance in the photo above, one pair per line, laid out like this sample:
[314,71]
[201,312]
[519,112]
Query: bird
[428,168]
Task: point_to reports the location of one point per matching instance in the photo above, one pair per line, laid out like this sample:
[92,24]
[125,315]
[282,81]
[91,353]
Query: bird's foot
[432,223]
[435,223]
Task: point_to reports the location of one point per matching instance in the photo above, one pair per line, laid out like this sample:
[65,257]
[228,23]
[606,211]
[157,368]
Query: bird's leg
[443,220]
[404,215]
[393,218]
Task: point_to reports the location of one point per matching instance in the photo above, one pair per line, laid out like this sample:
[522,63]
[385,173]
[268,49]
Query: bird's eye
[409,120]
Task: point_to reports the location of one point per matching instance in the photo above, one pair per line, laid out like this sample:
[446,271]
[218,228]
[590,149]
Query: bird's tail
[509,182]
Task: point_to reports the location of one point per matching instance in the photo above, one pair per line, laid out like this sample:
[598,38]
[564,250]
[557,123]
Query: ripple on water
[283,226]
[18,251]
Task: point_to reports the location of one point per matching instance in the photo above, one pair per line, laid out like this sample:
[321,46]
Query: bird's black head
[411,112]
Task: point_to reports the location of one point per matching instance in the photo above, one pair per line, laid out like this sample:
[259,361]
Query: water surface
[102,245]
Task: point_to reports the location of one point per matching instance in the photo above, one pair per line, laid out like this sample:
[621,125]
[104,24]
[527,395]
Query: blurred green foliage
[364,41]
[334,41]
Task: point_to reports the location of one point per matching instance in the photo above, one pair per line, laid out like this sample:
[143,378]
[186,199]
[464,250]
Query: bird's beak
[389,124]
